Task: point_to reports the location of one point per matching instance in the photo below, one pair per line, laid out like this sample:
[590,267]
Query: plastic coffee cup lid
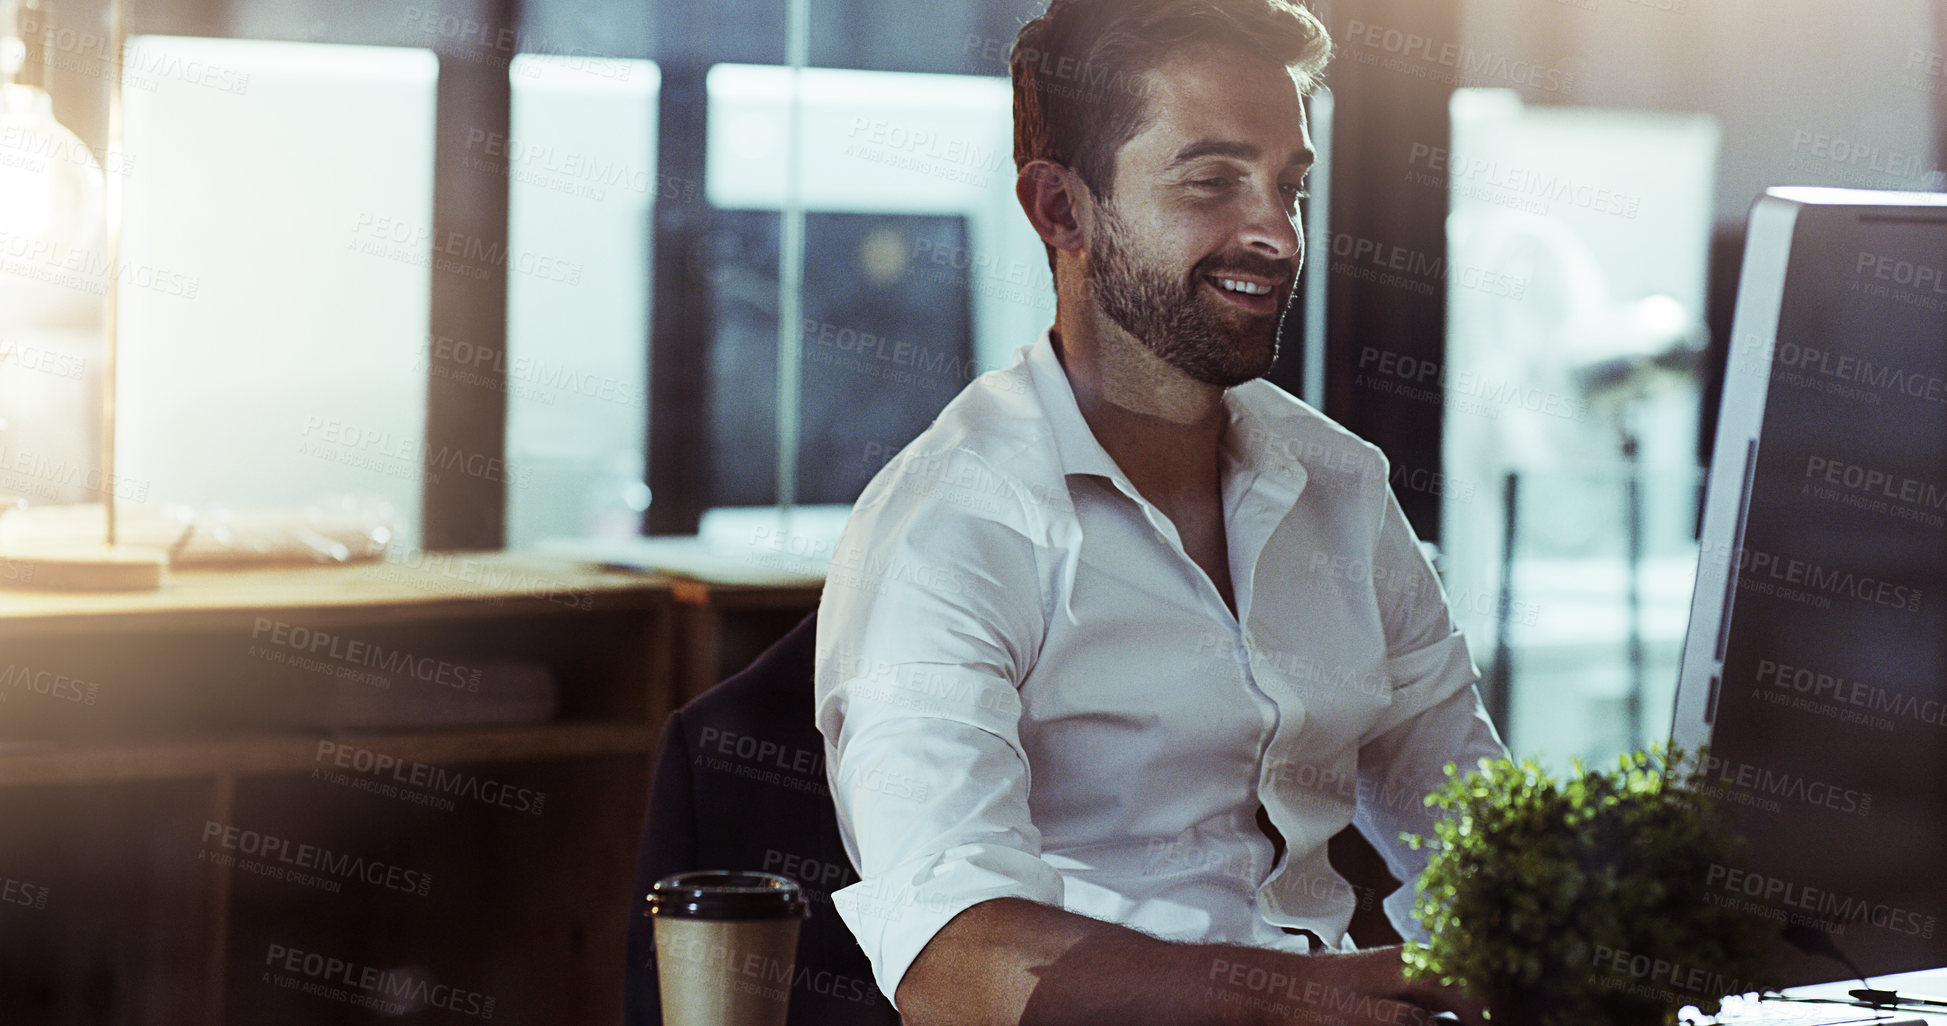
[727,894]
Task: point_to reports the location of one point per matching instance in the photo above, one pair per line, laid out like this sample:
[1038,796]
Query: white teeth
[1248,288]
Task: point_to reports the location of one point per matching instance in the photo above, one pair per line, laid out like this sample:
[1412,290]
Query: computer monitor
[1815,666]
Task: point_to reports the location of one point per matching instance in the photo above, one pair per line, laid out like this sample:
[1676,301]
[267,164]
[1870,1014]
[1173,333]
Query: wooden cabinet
[327,795]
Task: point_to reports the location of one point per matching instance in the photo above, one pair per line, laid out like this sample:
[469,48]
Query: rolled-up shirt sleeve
[1436,716]
[931,617]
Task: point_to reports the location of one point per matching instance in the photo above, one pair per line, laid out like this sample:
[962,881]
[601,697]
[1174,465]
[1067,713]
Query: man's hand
[1369,988]
[1016,963]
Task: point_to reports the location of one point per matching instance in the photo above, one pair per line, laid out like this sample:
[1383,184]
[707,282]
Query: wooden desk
[169,854]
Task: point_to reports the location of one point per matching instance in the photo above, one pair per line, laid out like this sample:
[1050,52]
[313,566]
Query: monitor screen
[1816,662]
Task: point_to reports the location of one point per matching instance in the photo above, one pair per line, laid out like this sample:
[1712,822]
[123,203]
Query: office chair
[740,784]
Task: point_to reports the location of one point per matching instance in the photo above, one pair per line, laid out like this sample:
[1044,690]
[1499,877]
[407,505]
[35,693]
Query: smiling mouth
[1242,287]
[1257,298]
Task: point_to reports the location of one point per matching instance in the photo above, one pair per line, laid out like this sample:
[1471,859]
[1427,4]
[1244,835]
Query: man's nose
[1270,227]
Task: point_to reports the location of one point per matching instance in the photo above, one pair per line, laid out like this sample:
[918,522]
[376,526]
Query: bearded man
[1112,649]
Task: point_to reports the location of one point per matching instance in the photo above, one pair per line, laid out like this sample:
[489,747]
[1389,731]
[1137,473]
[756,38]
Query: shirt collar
[1075,444]
[1253,443]
[1261,446]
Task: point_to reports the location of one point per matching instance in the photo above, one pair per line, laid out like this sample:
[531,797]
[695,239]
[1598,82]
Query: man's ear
[1056,202]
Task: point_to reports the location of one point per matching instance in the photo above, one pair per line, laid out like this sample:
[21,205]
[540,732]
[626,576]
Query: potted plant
[1585,901]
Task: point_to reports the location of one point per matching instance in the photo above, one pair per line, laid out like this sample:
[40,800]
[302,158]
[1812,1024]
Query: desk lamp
[54,199]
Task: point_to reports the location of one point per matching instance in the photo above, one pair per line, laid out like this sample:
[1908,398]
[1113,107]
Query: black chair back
[740,784]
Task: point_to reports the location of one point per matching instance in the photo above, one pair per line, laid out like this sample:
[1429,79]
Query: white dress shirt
[1028,689]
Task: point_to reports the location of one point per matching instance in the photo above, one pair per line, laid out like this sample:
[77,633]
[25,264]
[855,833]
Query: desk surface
[1925,983]
[422,585]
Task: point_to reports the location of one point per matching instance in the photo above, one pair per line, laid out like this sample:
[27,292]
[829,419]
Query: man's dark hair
[1080,70]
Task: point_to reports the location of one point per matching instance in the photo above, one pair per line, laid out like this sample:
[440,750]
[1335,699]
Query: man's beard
[1171,320]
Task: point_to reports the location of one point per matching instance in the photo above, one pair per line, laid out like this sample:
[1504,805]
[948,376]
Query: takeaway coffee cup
[726,944]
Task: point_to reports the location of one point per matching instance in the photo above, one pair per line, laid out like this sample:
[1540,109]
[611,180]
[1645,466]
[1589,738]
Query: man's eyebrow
[1301,157]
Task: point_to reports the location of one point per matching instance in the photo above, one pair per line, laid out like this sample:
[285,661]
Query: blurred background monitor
[919,273]
[1815,665]
[885,346]
[299,176]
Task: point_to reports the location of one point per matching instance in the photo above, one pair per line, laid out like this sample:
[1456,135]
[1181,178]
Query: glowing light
[50,184]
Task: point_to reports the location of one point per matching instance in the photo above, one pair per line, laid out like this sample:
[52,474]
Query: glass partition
[1576,270]
[580,159]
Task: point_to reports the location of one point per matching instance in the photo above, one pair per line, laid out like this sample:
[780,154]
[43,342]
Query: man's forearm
[1009,962]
